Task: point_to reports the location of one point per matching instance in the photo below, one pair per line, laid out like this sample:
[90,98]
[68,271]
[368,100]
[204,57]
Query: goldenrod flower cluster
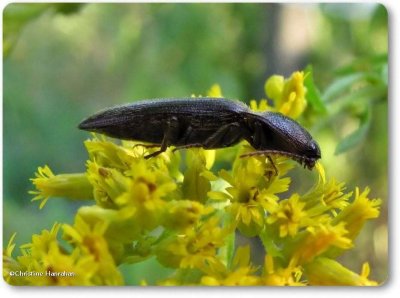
[177,209]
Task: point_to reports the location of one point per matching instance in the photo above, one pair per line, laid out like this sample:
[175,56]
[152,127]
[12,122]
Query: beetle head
[284,136]
[310,155]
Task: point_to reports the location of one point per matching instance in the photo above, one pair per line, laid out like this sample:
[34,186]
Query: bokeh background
[63,62]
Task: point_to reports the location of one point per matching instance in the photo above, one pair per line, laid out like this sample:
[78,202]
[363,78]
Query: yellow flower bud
[215,91]
[71,186]
[288,95]
[293,101]
[181,214]
[328,272]
[274,87]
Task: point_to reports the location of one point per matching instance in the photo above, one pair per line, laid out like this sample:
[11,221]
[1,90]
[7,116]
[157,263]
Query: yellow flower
[276,275]
[47,263]
[239,277]
[111,155]
[274,87]
[327,197]
[288,95]
[179,215]
[91,242]
[107,154]
[108,184]
[249,217]
[317,240]
[72,186]
[253,189]
[149,184]
[215,91]
[321,173]
[261,106]
[122,227]
[40,244]
[365,271]
[147,189]
[289,216]
[247,175]
[358,212]
[328,272]
[334,197]
[11,265]
[196,248]
[196,182]
[241,274]
[62,269]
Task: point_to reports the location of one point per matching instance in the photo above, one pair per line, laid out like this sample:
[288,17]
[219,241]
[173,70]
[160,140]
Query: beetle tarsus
[154,154]
[273,165]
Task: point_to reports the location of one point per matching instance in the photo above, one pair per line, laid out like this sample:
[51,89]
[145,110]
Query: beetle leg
[185,137]
[146,145]
[187,146]
[171,128]
[263,152]
[225,136]
[155,153]
[258,137]
[273,165]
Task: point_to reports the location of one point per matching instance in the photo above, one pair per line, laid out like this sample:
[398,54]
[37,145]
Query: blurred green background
[63,62]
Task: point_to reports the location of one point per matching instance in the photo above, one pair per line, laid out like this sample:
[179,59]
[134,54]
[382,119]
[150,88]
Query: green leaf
[227,251]
[368,94]
[16,16]
[356,136]
[341,85]
[362,64]
[384,74]
[313,95]
[269,245]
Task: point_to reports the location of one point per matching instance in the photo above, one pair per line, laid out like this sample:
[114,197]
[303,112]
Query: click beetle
[209,123]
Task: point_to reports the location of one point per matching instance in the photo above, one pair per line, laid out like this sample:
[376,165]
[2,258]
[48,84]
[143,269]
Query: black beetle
[210,123]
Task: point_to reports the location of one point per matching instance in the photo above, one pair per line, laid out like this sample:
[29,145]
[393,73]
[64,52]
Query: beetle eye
[314,148]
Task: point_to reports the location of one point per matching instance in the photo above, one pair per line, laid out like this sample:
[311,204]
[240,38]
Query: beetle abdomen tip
[85,125]
[90,124]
